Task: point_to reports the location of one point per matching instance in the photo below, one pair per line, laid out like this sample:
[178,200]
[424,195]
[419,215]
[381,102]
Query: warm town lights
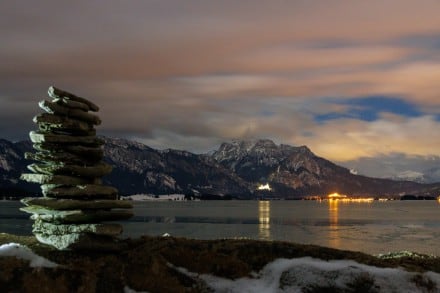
[344,198]
[336,196]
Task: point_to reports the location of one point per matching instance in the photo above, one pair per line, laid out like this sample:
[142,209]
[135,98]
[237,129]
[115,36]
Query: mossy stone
[72,204]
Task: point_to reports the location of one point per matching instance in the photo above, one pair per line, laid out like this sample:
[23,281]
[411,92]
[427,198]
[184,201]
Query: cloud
[348,139]
[395,164]
[370,108]
[347,79]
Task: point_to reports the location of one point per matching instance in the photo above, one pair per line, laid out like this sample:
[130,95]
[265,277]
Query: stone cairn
[69,169]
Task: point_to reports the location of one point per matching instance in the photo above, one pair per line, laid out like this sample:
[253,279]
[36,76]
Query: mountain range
[398,166]
[236,169]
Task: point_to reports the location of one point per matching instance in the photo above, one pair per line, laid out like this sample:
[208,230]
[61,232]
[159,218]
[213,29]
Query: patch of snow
[22,252]
[410,175]
[4,164]
[404,253]
[299,274]
[12,153]
[164,197]
[353,171]
[151,177]
[195,191]
[169,181]
[129,290]
[297,165]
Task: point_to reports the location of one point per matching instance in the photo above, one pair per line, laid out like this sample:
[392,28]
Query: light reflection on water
[264,220]
[334,240]
[375,227]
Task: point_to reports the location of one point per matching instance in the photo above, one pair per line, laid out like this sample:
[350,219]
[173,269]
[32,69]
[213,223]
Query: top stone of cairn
[57,93]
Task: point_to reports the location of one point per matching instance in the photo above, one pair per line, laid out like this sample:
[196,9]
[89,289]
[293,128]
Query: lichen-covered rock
[50,122]
[54,179]
[77,216]
[57,93]
[57,109]
[71,104]
[98,170]
[91,191]
[71,204]
[89,152]
[108,229]
[62,157]
[83,241]
[38,137]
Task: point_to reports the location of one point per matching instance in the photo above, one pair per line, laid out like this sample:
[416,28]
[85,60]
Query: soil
[150,264]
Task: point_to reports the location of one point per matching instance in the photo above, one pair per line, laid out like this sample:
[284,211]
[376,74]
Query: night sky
[356,81]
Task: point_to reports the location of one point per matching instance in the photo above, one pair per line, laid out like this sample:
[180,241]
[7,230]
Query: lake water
[374,227]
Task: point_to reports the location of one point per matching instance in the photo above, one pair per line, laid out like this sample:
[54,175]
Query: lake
[373,227]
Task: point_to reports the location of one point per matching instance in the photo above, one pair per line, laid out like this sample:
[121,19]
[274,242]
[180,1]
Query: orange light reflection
[334,240]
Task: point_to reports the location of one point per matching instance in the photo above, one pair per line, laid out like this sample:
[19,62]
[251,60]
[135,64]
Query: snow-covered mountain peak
[260,148]
[410,176]
[124,143]
[249,145]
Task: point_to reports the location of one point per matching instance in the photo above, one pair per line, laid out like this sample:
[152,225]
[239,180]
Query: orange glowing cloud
[192,74]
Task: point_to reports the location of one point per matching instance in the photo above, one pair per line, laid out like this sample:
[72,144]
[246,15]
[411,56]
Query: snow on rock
[22,252]
[4,164]
[129,290]
[163,197]
[404,253]
[410,175]
[306,273]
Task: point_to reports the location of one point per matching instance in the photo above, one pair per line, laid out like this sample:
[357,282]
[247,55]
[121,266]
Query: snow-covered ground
[22,252]
[292,275]
[306,273]
[176,197]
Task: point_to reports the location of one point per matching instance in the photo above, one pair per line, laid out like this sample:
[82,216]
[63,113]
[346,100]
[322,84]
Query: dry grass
[143,264]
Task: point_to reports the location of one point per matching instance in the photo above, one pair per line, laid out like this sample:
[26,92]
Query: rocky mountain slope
[398,166]
[12,164]
[141,169]
[296,171]
[235,169]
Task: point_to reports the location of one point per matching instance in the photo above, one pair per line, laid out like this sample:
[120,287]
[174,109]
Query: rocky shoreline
[162,264]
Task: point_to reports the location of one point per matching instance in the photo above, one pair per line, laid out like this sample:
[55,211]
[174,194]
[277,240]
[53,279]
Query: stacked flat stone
[69,168]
